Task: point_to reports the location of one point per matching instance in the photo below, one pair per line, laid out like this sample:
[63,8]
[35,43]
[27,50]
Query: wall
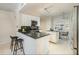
[45,22]
[7,26]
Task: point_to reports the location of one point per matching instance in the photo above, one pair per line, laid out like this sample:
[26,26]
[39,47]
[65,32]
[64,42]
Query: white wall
[11,21]
[7,25]
[45,22]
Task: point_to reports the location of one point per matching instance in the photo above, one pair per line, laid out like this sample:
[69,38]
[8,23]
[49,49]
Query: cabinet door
[29,44]
[42,45]
[25,20]
[53,39]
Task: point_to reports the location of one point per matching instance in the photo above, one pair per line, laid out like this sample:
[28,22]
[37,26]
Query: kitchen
[33,36]
[40,29]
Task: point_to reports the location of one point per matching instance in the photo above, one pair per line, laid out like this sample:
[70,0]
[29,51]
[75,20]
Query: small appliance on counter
[25,29]
[34,26]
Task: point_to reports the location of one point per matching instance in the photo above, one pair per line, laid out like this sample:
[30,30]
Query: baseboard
[4,42]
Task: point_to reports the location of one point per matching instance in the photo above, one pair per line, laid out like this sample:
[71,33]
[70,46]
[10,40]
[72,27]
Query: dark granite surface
[35,35]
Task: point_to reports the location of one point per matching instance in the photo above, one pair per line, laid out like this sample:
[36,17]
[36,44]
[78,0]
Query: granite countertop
[35,35]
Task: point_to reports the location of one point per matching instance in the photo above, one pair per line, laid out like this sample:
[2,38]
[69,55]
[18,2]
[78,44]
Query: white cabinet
[54,36]
[35,46]
[26,20]
[42,45]
[29,44]
[38,46]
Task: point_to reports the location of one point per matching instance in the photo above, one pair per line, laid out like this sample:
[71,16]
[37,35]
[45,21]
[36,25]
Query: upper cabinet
[26,20]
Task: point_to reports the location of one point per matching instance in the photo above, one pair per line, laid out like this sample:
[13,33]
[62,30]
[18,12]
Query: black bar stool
[13,39]
[18,46]
[15,47]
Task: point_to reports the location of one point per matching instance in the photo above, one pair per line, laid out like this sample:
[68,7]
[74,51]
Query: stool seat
[13,37]
[20,40]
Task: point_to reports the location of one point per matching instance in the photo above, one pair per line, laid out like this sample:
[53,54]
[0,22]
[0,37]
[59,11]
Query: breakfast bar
[37,44]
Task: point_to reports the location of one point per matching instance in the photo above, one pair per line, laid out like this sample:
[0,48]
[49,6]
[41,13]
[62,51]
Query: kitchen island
[35,44]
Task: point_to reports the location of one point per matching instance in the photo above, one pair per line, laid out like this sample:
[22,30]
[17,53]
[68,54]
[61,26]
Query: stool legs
[18,46]
[21,46]
[15,48]
[11,46]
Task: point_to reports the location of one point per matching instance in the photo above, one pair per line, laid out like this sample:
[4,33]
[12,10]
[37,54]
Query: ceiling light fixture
[46,9]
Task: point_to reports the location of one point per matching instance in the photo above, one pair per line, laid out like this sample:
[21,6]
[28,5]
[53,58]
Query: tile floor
[54,49]
[5,49]
[60,48]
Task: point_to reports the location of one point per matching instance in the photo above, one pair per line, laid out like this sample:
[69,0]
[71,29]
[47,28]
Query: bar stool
[13,39]
[18,46]
[15,47]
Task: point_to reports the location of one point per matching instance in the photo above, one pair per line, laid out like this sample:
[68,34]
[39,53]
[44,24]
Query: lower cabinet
[34,46]
[53,37]
[42,45]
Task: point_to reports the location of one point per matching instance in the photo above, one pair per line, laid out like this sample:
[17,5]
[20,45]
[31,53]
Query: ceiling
[9,6]
[38,9]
